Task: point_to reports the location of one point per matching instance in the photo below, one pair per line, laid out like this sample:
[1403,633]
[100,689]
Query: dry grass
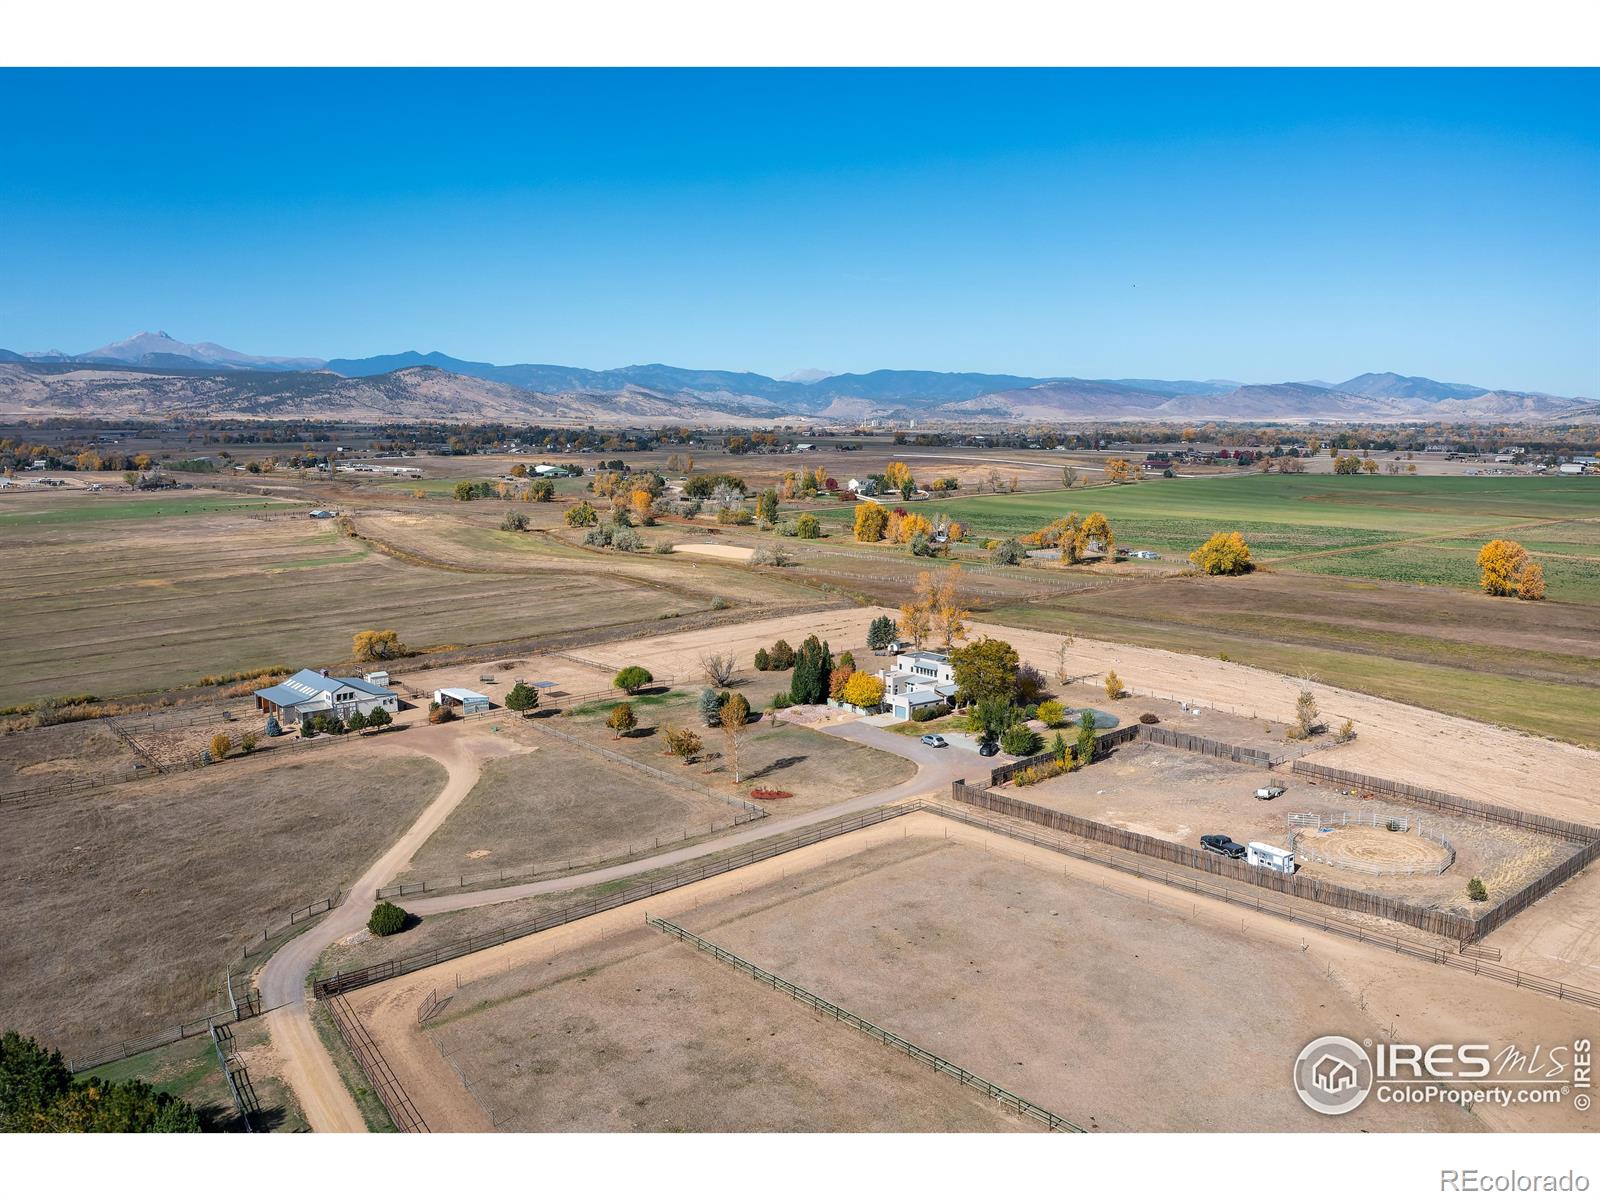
[125,906]
[560,804]
[643,1034]
[54,754]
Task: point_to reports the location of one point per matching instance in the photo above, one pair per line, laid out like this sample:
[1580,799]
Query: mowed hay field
[136,597]
[125,907]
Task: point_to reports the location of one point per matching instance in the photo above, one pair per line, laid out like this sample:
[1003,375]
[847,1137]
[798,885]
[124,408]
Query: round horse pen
[1369,843]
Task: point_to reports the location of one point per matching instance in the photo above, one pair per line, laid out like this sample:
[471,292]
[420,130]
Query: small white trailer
[1272,858]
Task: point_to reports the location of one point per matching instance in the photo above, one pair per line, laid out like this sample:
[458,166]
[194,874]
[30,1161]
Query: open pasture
[126,905]
[557,803]
[119,606]
[1071,986]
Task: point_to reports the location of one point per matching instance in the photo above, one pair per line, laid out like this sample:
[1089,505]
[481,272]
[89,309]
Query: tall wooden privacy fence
[1585,837]
[1154,734]
[1474,960]
[1319,891]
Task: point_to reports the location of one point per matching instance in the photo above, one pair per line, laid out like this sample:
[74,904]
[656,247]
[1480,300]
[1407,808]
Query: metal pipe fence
[402,1112]
[344,981]
[894,1041]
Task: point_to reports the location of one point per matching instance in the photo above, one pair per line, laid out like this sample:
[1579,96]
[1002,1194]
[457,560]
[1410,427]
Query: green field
[1371,583]
[74,509]
[1286,518]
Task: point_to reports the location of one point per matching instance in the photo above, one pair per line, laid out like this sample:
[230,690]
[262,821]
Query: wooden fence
[1475,960]
[1194,744]
[1586,837]
[1171,738]
[1569,831]
[345,981]
[827,1008]
[1319,891]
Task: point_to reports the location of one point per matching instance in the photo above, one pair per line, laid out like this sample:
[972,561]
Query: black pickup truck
[1221,843]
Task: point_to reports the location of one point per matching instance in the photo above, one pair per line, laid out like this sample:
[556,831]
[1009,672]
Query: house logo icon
[1333,1075]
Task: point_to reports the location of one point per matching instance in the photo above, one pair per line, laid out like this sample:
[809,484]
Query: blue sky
[1257,225]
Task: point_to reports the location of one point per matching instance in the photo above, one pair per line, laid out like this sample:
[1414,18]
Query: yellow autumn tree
[903,529]
[897,475]
[1120,470]
[1095,528]
[871,518]
[1502,562]
[916,622]
[1531,585]
[863,690]
[374,645]
[1223,554]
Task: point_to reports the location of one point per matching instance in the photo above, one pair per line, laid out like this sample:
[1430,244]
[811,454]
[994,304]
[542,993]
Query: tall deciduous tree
[986,669]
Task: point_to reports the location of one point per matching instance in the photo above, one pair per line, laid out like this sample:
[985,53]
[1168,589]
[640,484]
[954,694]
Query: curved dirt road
[308,1068]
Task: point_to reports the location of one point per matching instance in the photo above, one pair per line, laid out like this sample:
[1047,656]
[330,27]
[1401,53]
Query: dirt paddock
[1075,987]
[1179,796]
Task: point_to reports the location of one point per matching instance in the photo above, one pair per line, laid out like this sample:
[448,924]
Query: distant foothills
[153,374]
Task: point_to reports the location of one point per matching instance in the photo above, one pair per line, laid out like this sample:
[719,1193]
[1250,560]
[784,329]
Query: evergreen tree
[273,728]
[711,703]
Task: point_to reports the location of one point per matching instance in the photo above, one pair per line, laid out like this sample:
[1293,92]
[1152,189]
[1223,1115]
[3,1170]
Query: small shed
[467,701]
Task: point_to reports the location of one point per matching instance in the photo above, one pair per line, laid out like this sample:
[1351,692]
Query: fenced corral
[344,981]
[393,1097]
[1429,920]
[1102,741]
[1570,831]
[1313,852]
[827,1008]
[237,1075]
[1376,820]
[249,1005]
[1472,959]
[1173,739]
[1176,739]
[1586,837]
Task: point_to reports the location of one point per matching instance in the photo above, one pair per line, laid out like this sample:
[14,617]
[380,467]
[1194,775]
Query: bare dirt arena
[714,550]
[1380,851]
[1080,989]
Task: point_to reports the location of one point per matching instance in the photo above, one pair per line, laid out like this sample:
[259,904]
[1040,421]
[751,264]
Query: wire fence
[357,977]
[894,1041]
[249,1005]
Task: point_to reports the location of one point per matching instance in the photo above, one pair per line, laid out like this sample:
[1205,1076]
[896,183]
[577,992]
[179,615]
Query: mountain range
[154,374]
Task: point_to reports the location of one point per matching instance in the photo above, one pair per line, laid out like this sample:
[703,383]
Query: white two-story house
[918,678]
